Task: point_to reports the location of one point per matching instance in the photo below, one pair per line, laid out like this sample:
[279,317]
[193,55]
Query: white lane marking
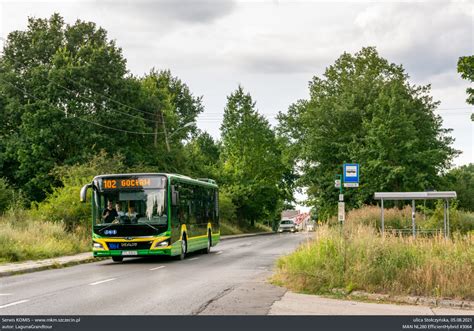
[4,294]
[13,303]
[161,266]
[103,281]
[219,252]
[194,258]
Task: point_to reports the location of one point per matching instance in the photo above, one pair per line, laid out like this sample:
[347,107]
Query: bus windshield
[146,206]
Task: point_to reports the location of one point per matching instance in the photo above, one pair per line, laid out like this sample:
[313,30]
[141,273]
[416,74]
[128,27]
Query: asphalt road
[230,280]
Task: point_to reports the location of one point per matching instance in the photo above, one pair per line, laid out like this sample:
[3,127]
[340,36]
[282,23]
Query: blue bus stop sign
[351,174]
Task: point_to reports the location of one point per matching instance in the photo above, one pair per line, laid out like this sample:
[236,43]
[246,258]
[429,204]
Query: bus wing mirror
[174,196]
[83,194]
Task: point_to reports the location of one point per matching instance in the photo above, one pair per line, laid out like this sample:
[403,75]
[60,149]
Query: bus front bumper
[132,253]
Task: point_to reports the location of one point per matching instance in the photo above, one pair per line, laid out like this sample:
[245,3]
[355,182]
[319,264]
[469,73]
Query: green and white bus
[149,214]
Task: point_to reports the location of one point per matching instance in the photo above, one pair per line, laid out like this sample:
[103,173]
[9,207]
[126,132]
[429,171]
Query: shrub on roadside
[63,204]
[226,207]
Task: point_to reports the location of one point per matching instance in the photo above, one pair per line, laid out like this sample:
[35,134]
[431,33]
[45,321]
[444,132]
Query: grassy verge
[228,228]
[359,259]
[22,238]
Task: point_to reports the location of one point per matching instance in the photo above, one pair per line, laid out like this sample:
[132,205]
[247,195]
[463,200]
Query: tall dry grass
[400,219]
[23,238]
[359,258]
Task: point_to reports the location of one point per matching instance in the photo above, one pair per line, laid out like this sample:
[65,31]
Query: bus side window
[174,205]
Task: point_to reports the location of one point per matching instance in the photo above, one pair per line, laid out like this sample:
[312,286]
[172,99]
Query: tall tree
[169,102]
[461,180]
[251,158]
[202,155]
[466,69]
[66,94]
[66,91]
[365,110]
[172,103]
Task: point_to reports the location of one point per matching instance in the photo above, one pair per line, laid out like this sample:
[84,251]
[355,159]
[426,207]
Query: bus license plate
[129,253]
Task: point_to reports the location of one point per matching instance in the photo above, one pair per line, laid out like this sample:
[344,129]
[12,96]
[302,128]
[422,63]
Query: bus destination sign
[133,183]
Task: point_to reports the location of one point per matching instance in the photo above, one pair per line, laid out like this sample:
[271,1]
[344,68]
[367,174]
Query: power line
[93,101]
[108,127]
[109,98]
[96,103]
[76,117]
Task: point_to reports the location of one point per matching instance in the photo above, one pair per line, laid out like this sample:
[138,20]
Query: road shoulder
[250,298]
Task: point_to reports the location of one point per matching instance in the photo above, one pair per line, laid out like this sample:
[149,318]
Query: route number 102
[110,183]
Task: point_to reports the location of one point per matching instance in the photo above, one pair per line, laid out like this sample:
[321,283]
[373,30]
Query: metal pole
[383,221]
[413,217]
[445,220]
[447,215]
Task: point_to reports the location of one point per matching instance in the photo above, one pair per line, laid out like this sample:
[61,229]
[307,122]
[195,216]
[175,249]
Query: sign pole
[445,225]
[447,215]
[340,206]
[383,221]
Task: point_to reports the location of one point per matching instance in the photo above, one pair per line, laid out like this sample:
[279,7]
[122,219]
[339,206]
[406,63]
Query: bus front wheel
[207,250]
[117,258]
[184,248]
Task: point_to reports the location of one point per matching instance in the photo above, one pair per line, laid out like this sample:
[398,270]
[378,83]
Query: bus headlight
[97,245]
[161,244]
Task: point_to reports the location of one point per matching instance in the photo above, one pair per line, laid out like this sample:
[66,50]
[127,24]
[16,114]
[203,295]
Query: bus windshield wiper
[151,226]
[105,227]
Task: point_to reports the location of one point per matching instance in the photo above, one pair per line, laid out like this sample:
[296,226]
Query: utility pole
[155,138]
[155,143]
[166,134]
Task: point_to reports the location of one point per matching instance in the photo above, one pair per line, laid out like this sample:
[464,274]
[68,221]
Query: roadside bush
[459,220]
[63,204]
[226,208]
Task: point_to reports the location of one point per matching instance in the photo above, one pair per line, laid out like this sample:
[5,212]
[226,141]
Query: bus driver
[109,214]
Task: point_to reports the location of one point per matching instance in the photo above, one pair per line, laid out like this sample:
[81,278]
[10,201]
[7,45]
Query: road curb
[244,235]
[44,265]
[414,300]
[67,261]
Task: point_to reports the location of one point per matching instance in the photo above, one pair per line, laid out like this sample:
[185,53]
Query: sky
[274,48]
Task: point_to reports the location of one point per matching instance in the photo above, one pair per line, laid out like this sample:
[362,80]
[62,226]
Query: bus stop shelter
[431,195]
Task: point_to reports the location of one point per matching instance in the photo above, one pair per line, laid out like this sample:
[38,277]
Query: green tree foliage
[51,75]
[461,180]
[202,155]
[364,110]
[227,210]
[171,105]
[466,69]
[251,158]
[6,195]
[65,94]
